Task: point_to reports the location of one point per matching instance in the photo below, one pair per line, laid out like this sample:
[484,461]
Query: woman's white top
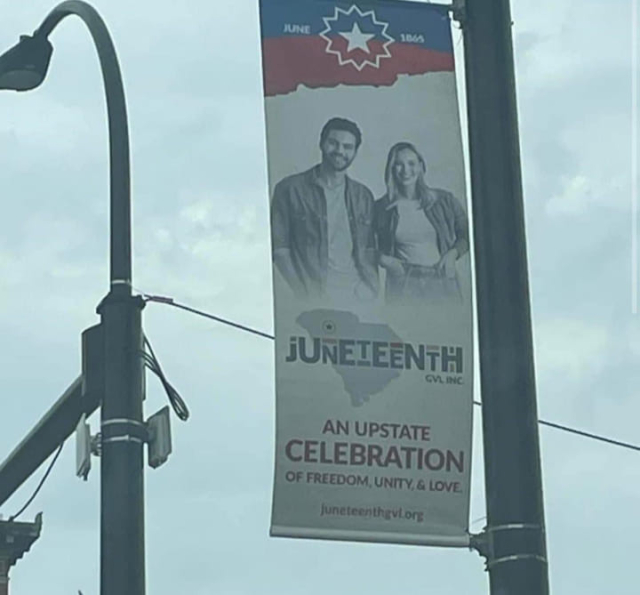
[416,238]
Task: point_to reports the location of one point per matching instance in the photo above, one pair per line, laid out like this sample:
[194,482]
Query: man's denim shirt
[299,224]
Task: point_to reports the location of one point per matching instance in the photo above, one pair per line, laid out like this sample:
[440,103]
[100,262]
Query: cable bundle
[151,361]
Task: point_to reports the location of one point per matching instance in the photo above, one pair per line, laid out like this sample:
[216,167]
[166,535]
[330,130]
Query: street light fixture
[25,65]
[122,560]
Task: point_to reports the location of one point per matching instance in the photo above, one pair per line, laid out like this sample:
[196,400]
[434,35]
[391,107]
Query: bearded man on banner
[322,224]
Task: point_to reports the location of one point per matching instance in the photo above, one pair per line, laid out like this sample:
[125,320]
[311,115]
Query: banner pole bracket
[480,543]
[459,12]
[485,544]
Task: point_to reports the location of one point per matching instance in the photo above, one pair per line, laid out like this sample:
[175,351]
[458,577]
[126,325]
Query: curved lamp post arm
[120,185]
[122,556]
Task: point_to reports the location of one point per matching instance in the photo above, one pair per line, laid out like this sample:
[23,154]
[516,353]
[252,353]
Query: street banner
[371,275]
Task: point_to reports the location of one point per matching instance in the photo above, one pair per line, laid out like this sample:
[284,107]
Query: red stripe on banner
[303,60]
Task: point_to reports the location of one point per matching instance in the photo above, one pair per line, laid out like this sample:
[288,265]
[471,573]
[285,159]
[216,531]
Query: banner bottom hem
[461,541]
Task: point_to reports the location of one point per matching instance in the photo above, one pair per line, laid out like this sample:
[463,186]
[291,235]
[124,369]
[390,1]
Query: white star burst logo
[357,39]
[358,28]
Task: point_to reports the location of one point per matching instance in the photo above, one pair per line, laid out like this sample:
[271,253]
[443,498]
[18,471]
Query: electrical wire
[182,411]
[44,478]
[556,426]
[171,302]
[177,402]
[589,435]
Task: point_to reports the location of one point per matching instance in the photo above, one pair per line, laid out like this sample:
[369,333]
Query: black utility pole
[514,540]
[123,432]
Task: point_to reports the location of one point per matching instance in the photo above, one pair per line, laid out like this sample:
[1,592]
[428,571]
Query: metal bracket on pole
[156,433]
[484,544]
[123,430]
[459,12]
[515,558]
[480,543]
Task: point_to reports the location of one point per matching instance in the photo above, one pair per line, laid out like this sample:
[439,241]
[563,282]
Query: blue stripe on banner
[426,25]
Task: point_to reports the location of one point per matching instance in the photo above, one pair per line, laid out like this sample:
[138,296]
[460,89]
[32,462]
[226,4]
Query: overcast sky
[193,83]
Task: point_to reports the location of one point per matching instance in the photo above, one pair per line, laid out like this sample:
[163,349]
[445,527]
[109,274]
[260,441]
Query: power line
[44,478]
[589,435]
[171,302]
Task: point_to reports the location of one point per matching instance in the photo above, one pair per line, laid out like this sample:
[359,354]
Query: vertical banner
[371,277]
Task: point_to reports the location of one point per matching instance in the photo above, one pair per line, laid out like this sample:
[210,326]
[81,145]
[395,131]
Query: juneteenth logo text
[376,354]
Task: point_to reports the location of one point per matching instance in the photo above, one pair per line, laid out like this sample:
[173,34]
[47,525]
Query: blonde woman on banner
[421,232]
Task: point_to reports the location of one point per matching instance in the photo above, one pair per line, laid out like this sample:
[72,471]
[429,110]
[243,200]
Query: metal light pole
[514,541]
[123,432]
